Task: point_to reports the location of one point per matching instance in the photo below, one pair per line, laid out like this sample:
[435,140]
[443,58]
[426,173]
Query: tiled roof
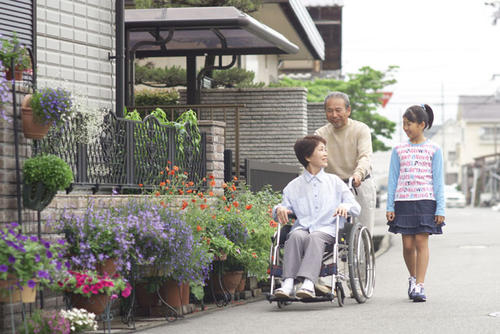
[322,3]
[479,107]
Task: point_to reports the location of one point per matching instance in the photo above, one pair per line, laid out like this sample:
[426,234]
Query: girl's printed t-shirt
[416,173]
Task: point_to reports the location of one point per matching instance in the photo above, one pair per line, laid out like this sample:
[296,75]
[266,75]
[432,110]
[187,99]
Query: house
[479,147]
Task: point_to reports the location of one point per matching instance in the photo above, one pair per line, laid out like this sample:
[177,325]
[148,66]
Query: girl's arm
[392,181]
[438,181]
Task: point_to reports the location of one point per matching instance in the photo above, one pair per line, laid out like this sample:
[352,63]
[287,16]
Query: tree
[364,90]
[246,6]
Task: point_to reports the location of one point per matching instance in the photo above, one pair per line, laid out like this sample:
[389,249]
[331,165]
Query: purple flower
[37,258]
[49,254]
[12,259]
[34,238]
[31,284]
[3,268]
[43,274]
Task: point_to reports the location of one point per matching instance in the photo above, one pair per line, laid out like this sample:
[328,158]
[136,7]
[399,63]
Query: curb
[385,244]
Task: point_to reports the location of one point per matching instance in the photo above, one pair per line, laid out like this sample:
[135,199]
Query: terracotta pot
[108,266]
[95,304]
[145,299]
[18,74]
[31,128]
[174,294]
[230,280]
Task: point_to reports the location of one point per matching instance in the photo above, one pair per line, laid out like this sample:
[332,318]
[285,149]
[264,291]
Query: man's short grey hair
[337,95]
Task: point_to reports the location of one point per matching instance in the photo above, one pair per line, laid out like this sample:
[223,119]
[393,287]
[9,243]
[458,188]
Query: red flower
[184,205]
[157,193]
[162,184]
[211,177]
[272,223]
[212,183]
[141,185]
[203,206]
[199,228]
[236,204]
[248,207]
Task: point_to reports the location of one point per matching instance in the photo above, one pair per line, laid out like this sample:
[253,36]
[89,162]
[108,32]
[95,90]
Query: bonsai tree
[44,175]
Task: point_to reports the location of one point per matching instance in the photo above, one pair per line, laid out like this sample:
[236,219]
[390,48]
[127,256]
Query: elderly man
[349,147]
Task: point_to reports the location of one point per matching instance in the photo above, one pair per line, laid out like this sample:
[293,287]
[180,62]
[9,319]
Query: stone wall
[270,122]
[315,116]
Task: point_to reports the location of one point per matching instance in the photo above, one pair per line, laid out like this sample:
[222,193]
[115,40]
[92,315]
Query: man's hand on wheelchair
[341,211]
[282,214]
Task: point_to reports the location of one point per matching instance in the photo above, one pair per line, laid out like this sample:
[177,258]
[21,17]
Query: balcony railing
[125,153]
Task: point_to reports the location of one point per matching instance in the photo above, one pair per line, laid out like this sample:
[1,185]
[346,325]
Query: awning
[199,31]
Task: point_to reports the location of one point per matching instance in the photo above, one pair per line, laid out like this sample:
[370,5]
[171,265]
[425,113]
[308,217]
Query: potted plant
[44,175]
[46,107]
[4,93]
[80,320]
[26,261]
[90,290]
[12,49]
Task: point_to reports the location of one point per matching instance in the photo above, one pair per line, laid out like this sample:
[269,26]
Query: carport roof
[198,31]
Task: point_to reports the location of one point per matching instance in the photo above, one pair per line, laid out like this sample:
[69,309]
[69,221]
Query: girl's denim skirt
[414,217]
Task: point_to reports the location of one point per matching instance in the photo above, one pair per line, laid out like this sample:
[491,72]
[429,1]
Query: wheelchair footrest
[327,297]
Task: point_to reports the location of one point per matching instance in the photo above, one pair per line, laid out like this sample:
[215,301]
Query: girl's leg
[422,244]
[409,253]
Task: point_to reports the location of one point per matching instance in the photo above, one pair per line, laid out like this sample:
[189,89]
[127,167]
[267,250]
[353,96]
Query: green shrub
[168,76]
[48,169]
[156,97]
[235,77]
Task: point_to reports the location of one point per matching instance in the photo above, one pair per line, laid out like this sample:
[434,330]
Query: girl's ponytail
[430,115]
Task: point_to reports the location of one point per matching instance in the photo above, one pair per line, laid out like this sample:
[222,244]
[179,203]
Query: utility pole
[443,120]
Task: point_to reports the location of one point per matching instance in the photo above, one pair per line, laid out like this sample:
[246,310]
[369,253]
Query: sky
[444,49]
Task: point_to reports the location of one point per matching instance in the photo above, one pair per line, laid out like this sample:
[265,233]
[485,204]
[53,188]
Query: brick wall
[270,123]
[74,39]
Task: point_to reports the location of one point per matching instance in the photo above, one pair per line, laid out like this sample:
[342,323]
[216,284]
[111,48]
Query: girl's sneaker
[419,293]
[411,287]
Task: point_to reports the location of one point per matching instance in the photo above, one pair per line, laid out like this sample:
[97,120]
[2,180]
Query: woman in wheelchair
[316,198]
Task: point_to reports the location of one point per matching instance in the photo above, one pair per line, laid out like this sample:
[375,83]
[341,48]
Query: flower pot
[145,298]
[18,74]
[26,295]
[31,128]
[241,286]
[36,196]
[174,294]
[108,266]
[95,303]
[231,280]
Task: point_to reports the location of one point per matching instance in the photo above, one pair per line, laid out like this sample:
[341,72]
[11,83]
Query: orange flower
[214,217]
[203,206]
[168,181]
[190,183]
[157,193]
[141,185]
[162,184]
[184,205]
[200,194]
[176,168]
[272,223]
[193,200]
[268,270]
[224,198]
[204,179]
[235,178]
[161,173]
[205,200]
[169,162]
[227,208]
[189,191]
[254,254]
[224,185]
[236,204]
[233,187]
[212,183]
[172,172]
[208,241]
[185,173]
[198,228]
[163,204]
[181,192]
[248,207]
[211,193]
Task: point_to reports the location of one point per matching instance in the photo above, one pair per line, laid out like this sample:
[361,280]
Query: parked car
[453,197]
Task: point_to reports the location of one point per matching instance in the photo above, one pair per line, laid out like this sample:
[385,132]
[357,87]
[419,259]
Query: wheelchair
[350,260]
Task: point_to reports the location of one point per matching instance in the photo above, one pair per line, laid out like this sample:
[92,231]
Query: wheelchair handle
[292,216]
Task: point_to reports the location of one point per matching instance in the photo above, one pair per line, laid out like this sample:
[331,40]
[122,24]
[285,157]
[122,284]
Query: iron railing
[125,153]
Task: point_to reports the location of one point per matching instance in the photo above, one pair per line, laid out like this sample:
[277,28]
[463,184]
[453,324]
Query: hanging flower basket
[31,128]
[95,304]
[18,74]
[37,196]
[26,295]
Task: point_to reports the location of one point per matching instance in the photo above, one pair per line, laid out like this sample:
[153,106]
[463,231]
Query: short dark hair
[420,113]
[304,147]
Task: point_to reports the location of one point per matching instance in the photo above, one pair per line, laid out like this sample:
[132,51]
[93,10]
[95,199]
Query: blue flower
[31,284]
[3,268]
[12,259]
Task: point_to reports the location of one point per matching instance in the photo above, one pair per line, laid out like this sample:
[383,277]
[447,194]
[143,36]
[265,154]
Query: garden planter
[31,128]
[241,286]
[18,74]
[174,294]
[108,267]
[95,304]
[145,298]
[26,295]
[231,280]
[36,196]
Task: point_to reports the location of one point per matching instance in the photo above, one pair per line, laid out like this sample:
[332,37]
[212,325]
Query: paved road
[463,288]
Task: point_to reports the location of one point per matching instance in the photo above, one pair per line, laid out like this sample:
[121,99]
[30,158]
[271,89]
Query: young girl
[415,195]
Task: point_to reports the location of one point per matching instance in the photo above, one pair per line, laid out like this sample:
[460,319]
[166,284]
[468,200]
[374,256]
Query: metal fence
[125,153]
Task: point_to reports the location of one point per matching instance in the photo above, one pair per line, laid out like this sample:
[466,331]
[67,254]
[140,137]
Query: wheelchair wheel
[339,292]
[361,258]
